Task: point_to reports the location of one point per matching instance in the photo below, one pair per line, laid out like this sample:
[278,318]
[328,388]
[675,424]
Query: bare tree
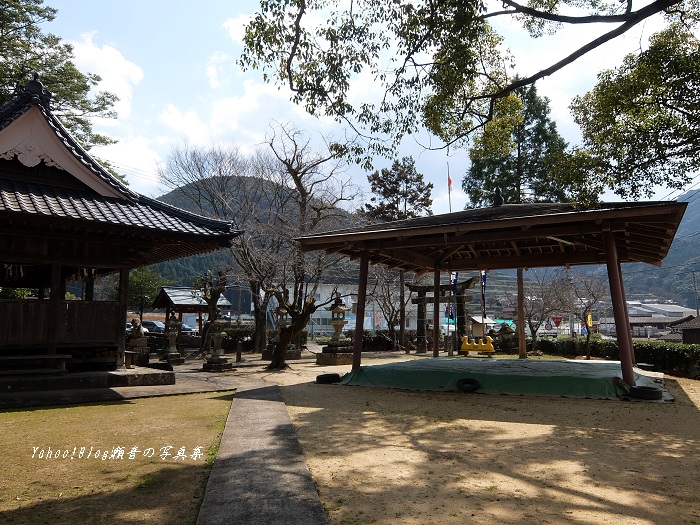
[387,294]
[316,193]
[223,183]
[539,300]
[581,293]
[282,191]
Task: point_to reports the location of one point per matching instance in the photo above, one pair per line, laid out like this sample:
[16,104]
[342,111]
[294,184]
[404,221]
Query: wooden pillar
[402,311]
[624,294]
[57,314]
[420,322]
[619,302]
[360,312]
[90,286]
[522,338]
[436,313]
[123,310]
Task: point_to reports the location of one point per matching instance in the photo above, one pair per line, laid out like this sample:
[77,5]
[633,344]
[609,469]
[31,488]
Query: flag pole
[449,187]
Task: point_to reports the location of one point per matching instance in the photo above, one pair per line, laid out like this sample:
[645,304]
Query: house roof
[183,299]
[512,236]
[52,190]
[38,136]
[44,200]
[692,324]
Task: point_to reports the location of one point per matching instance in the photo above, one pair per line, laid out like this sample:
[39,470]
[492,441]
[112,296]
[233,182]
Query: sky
[173,67]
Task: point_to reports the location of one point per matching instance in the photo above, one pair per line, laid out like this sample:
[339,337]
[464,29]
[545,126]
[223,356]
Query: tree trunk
[260,316]
[287,335]
[260,332]
[533,334]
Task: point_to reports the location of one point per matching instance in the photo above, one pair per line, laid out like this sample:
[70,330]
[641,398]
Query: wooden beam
[123,308]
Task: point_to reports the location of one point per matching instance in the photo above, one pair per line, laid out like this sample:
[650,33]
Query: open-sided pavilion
[508,236]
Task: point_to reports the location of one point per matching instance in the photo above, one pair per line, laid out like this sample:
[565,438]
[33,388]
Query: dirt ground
[378,456]
[388,456]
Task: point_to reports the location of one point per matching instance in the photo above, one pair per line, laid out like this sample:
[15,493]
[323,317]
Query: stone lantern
[172,327]
[338,351]
[217,361]
[338,321]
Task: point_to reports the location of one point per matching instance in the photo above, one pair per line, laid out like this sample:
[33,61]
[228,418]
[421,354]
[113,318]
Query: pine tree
[399,193]
[26,50]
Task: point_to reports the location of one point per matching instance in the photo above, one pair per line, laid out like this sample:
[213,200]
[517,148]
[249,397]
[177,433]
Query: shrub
[236,335]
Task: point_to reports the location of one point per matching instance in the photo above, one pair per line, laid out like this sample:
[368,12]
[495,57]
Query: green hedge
[671,358]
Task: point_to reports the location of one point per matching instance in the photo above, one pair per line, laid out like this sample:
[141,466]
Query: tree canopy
[436,63]
[144,285]
[517,152]
[399,193]
[641,122]
[25,50]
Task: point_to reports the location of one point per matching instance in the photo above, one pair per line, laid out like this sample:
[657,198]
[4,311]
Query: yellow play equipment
[477,345]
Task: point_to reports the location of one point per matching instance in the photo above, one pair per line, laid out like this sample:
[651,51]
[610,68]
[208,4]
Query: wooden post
[123,307]
[57,314]
[436,313]
[522,338]
[624,294]
[360,312]
[622,324]
[402,311]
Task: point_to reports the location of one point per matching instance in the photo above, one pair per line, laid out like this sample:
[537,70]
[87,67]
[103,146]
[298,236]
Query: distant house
[690,330]
[647,319]
[64,218]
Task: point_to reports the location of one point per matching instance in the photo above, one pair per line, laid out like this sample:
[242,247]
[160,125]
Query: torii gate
[460,299]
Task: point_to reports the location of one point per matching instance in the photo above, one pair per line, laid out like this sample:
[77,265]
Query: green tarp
[568,378]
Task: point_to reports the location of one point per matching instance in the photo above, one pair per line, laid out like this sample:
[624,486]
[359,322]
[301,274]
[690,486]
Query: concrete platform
[125,377]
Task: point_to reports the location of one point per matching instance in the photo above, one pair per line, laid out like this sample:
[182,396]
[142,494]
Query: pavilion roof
[511,236]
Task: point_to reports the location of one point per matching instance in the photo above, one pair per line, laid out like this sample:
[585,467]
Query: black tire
[467,384]
[327,379]
[646,392]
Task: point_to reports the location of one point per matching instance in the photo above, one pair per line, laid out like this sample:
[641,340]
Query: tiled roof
[42,200]
[26,197]
[689,325]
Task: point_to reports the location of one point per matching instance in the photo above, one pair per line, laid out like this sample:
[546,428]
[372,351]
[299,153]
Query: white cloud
[186,123]
[119,75]
[217,65]
[136,158]
[235,27]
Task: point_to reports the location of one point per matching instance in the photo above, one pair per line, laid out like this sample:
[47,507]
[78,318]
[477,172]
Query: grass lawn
[127,478]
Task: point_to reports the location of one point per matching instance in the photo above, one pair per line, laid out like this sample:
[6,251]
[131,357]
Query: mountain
[676,280]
